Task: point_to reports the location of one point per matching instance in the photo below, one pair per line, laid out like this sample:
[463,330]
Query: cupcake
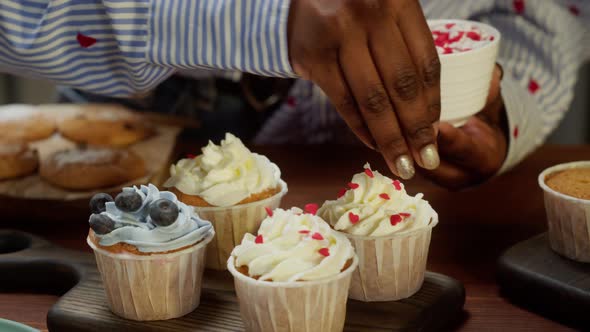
[230,186]
[150,251]
[294,275]
[390,231]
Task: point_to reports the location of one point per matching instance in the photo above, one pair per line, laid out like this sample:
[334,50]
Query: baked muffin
[294,271]
[391,231]
[150,251]
[230,186]
[92,168]
[17,160]
[105,125]
[24,123]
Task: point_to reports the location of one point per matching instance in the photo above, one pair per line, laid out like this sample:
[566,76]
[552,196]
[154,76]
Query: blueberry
[128,201]
[101,224]
[98,201]
[163,212]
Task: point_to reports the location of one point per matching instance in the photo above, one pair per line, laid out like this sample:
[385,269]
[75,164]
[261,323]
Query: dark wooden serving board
[30,263]
[534,276]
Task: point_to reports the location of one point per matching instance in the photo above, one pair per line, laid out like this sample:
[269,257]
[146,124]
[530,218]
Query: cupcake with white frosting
[295,272]
[390,231]
[230,186]
[150,251]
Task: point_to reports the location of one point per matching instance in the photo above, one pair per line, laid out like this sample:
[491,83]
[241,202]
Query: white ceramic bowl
[568,217]
[466,76]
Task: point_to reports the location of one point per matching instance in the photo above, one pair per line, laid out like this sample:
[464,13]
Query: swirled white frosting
[224,174]
[138,229]
[293,246]
[375,205]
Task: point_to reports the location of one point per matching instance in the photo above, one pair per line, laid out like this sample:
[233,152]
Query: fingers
[495,85]
[375,106]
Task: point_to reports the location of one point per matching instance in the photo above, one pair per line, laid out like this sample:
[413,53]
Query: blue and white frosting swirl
[137,229]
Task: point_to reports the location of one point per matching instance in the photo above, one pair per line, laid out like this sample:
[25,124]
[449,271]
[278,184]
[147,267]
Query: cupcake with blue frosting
[150,250]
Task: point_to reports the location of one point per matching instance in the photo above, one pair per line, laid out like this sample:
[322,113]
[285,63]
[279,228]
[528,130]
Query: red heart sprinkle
[448,50]
[85,41]
[354,218]
[304,231]
[474,35]
[395,219]
[518,6]
[449,25]
[369,172]
[574,10]
[259,239]
[384,196]
[317,236]
[324,252]
[311,208]
[515,133]
[404,214]
[533,86]
[397,185]
[353,185]
[341,192]
[268,211]
[191,156]
[457,37]
[492,38]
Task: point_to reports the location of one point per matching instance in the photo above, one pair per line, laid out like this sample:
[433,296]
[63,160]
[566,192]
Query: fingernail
[405,167]
[430,157]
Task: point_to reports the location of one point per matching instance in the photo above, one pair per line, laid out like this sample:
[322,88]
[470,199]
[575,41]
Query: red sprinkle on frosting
[395,219]
[341,192]
[369,172]
[384,196]
[191,156]
[324,252]
[474,35]
[311,208]
[354,218]
[397,185]
[268,211]
[259,239]
[353,185]
[404,214]
[304,231]
[317,236]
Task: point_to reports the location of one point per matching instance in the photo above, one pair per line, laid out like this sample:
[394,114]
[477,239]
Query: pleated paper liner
[231,223]
[390,267]
[300,306]
[568,218]
[154,287]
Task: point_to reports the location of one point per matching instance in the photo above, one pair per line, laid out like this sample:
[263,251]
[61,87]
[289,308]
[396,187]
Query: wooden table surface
[475,227]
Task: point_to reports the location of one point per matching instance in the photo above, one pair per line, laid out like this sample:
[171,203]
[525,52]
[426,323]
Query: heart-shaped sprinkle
[353,185]
[324,252]
[268,211]
[397,185]
[369,172]
[85,41]
[395,219]
[311,208]
[259,239]
[317,236]
[404,214]
[474,35]
[449,25]
[354,218]
[304,231]
[341,192]
[384,196]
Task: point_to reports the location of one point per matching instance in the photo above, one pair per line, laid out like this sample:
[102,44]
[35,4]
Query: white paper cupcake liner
[391,267]
[568,218]
[300,306]
[154,287]
[231,223]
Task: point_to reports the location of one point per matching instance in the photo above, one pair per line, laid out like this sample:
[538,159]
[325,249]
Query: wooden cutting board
[30,263]
[534,276]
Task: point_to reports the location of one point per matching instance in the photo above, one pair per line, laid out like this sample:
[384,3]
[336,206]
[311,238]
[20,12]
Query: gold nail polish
[405,167]
[430,157]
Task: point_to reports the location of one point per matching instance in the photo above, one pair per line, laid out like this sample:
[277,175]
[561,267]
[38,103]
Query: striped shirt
[123,47]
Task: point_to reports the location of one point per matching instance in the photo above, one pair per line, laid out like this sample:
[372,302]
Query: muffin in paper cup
[230,186]
[390,232]
[150,252]
[568,217]
[294,275]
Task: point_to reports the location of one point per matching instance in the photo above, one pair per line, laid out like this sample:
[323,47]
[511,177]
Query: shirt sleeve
[121,47]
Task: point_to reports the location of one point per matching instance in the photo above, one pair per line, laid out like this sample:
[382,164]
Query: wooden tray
[534,276]
[32,264]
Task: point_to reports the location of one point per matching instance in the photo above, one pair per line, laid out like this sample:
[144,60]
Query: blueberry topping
[163,212]
[101,224]
[128,201]
[98,201]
